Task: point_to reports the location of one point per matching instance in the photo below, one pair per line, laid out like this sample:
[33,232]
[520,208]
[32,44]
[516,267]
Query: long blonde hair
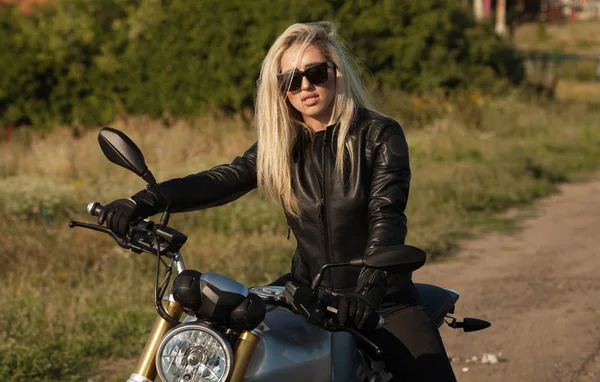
[277,121]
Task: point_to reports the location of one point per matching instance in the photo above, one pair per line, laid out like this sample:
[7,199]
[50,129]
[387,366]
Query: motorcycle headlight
[194,352]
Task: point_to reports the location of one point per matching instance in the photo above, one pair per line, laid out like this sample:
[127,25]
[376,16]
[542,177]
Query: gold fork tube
[243,353]
[146,366]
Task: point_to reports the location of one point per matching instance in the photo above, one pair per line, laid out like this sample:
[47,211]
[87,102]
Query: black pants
[412,345]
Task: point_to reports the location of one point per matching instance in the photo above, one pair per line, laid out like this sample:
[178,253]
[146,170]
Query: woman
[341,172]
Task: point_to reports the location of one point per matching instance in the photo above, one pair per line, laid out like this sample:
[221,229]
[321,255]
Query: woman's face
[314,101]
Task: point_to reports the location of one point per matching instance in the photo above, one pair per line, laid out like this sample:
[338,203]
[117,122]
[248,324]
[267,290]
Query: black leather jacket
[338,220]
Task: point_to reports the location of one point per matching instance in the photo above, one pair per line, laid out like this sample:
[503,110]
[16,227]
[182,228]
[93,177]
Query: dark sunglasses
[316,74]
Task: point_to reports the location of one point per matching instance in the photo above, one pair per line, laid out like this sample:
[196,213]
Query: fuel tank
[293,350]
[290,350]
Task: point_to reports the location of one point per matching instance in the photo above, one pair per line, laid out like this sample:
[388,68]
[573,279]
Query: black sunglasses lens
[296,82]
[317,74]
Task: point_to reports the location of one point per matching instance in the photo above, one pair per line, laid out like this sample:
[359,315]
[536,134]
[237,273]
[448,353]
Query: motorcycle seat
[438,300]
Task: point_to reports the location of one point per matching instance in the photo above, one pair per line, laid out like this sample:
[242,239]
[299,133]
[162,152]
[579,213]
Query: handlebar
[143,235]
[331,302]
[332,307]
[94,208]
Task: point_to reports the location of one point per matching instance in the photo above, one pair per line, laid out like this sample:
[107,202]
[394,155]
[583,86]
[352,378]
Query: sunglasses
[316,74]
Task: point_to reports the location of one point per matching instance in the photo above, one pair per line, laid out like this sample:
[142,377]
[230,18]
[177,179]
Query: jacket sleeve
[387,201]
[217,186]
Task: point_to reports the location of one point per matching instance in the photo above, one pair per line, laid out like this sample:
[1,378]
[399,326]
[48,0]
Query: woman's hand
[355,310]
[119,213]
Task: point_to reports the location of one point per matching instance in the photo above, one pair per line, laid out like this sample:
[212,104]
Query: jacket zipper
[323,214]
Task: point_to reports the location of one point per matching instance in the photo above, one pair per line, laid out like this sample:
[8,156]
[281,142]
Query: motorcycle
[263,333]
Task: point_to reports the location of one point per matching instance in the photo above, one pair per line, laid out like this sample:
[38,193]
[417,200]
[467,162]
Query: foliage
[54,63]
[83,62]
[422,45]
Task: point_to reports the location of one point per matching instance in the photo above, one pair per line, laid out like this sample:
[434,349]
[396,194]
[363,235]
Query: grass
[572,37]
[576,77]
[72,297]
[581,91]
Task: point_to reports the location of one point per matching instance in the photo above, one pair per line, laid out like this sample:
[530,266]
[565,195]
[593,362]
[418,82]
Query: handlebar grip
[331,302]
[94,208]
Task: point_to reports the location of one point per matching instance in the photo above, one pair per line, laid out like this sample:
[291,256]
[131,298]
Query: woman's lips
[310,99]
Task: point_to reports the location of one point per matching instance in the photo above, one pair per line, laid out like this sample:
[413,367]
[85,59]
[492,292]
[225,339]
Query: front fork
[145,371]
[244,349]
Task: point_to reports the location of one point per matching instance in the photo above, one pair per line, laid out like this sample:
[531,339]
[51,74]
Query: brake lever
[94,227]
[377,349]
[332,326]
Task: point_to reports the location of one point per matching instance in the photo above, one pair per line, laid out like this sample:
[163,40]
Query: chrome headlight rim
[203,327]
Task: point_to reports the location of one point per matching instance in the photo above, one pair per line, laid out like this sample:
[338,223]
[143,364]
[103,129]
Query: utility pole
[501,17]
[478,10]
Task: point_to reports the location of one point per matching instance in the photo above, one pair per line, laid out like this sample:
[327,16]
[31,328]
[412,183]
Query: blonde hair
[277,121]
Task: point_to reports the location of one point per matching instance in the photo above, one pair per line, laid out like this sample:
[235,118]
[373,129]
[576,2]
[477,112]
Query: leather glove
[119,213]
[356,310]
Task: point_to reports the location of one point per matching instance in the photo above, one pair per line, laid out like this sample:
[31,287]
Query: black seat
[438,300]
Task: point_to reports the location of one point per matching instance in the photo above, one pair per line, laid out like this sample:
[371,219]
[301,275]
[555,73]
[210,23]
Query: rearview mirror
[396,259]
[119,149]
[393,259]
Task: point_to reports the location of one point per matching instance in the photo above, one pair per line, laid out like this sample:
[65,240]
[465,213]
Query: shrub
[81,62]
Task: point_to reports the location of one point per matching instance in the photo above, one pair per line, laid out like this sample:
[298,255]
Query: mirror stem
[149,178]
[164,219]
[319,277]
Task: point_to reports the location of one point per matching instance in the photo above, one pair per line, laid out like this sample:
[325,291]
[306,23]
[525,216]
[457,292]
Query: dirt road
[539,287]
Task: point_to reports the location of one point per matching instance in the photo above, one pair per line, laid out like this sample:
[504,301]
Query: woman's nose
[306,84]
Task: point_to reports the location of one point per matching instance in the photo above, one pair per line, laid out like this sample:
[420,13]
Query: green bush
[82,62]
[52,63]
[422,45]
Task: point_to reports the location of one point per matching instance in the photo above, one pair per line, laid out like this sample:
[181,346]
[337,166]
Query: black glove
[119,213]
[356,310]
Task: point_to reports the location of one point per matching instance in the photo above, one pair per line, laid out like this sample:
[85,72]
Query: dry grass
[578,91]
[572,37]
[63,156]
